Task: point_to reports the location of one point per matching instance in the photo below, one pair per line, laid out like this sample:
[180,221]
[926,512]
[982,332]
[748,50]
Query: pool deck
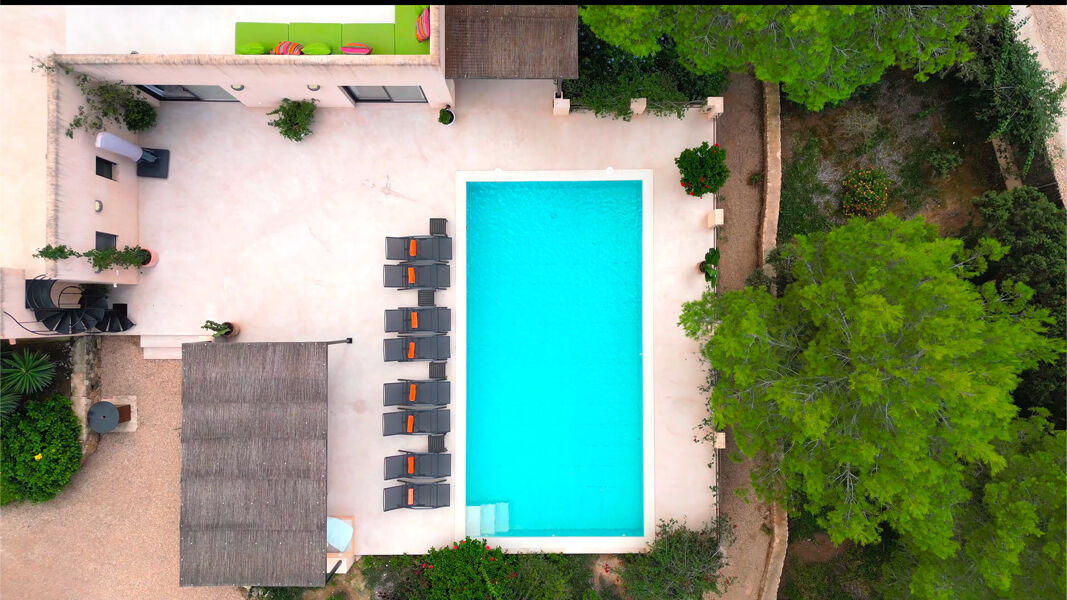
[287,240]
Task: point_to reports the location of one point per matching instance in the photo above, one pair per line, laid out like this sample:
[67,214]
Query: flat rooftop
[287,239]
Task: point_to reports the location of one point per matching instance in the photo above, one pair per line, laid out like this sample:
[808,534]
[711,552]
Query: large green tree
[1012,531]
[876,378]
[820,53]
[1035,231]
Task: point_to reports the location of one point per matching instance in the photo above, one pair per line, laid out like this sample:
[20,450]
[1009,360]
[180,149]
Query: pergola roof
[511,41]
[254,423]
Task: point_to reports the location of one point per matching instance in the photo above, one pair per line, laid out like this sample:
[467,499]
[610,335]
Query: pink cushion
[422,26]
[288,48]
[355,48]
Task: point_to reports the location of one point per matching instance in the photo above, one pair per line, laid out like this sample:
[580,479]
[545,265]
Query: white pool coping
[564,544]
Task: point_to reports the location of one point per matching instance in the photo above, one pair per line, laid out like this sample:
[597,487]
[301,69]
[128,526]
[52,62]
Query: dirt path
[113,532]
[740,131]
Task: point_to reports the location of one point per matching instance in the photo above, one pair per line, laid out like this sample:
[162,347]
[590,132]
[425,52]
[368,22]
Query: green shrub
[703,169]
[277,593]
[755,178]
[864,193]
[9,403]
[1013,95]
[445,116]
[26,372]
[59,252]
[105,258]
[140,115]
[295,118]
[798,214]
[609,77]
[681,563]
[40,450]
[944,161]
[711,263]
[394,577]
[815,581]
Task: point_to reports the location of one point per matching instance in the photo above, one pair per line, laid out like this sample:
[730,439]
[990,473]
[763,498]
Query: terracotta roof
[511,42]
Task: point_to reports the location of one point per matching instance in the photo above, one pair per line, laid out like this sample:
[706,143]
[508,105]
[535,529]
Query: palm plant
[26,372]
[9,403]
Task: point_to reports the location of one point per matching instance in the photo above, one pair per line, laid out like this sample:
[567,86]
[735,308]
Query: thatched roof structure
[253,477]
[511,42]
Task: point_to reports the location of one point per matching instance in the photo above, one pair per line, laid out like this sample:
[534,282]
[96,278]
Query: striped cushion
[288,48]
[355,48]
[422,26]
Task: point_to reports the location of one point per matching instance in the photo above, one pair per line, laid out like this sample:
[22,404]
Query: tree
[881,373]
[1012,531]
[1035,231]
[820,54]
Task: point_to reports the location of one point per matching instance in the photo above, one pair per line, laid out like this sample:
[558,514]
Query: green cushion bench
[265,34]
[379,36]
[405,42]
[309,33]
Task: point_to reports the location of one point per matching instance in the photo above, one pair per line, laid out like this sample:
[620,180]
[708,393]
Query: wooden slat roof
[253,464]
[511,42]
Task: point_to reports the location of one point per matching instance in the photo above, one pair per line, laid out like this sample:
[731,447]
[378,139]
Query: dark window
[385,93]
[106,241]
[195,93]
[105,168]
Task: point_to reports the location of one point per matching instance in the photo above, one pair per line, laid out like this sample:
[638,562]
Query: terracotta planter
[234,330]
[153,258]
[700,267]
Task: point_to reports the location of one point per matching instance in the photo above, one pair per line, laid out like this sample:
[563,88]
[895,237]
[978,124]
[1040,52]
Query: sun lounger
[409,393]
[416,422]
[418,464]
[418,320]
[416,495]
[409,276]
[419,247]
[435,347]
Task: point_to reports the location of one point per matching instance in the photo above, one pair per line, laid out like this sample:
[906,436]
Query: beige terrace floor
[287,240]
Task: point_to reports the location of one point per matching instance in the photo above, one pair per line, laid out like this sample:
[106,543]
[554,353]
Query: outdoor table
[105,416]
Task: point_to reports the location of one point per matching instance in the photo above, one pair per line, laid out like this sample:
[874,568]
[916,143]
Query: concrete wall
[772,160]
[72,219]
[269,79]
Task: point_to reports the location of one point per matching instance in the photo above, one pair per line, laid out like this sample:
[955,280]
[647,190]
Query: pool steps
[487,519]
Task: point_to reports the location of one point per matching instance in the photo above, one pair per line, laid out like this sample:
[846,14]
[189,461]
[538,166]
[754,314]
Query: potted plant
[295,118]
[221,331]
[446,116]
[709,266]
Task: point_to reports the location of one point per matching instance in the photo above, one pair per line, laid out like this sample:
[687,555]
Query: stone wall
[772,180]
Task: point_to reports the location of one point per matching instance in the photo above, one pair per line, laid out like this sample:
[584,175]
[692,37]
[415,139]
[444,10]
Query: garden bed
[920,134]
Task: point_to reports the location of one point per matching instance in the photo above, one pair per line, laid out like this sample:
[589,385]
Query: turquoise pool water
[554,363]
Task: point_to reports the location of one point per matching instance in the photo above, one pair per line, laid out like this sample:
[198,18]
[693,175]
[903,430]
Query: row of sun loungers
[421,338]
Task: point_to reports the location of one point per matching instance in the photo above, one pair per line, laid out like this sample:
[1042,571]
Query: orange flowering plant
[865,193]
[703,169]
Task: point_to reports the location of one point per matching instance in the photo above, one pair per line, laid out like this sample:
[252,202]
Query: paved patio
[287,240]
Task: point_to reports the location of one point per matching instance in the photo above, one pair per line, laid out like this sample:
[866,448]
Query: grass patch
[798,213]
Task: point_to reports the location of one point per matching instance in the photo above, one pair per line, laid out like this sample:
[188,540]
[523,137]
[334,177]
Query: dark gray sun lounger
[429,276]
[406,349]
[421,422]
[418,464]
[418,320]
[437,392]
[416,495]
[426,247]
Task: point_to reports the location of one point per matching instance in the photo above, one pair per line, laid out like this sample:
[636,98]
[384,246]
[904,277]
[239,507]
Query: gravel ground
[113,532]
[741,133]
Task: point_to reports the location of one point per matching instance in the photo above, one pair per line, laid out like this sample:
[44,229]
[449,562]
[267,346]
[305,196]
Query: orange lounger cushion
[411,349]
[411,465]
[412,248]
[411,274]
[414,320]
[411,423]
[411,496]
[411,392]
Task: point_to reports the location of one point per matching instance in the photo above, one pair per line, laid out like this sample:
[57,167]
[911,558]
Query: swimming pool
[556,356]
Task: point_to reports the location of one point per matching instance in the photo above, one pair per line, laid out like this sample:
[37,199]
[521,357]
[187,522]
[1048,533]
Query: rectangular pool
[555,358]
